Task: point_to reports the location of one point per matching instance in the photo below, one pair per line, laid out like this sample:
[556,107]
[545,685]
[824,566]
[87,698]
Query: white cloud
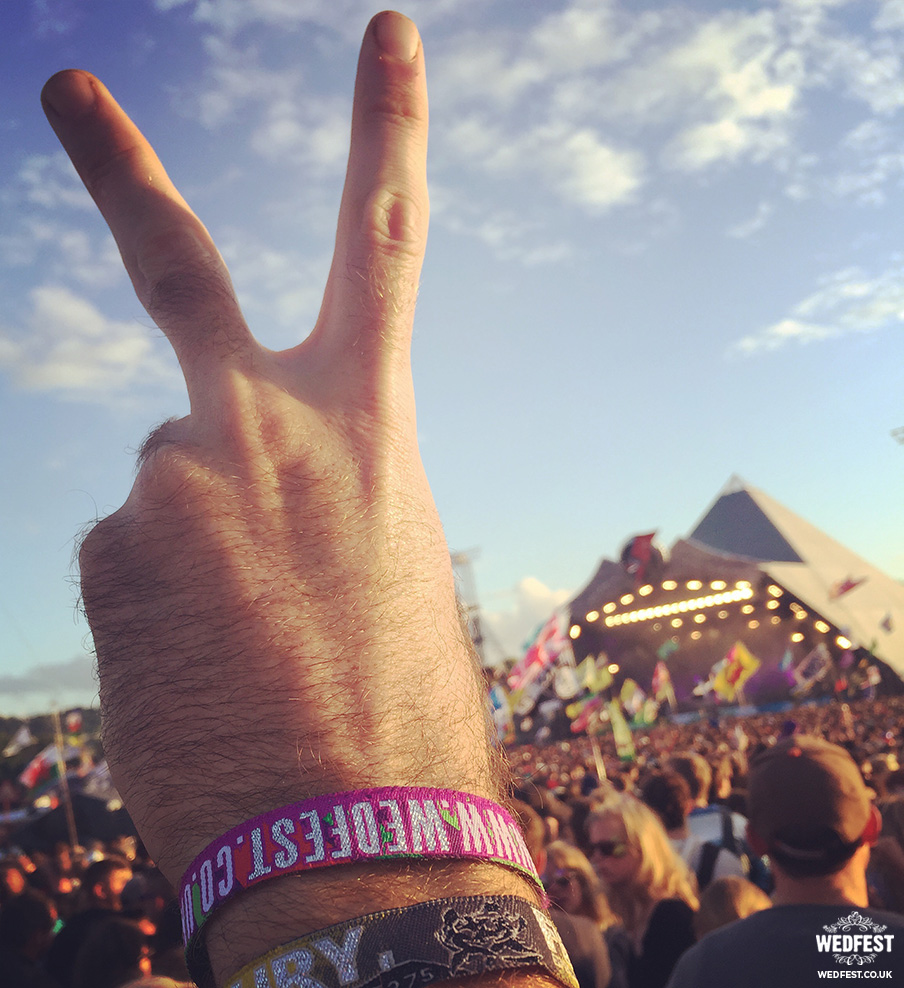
[49,180]
[846,302]
[69,347]
[510,628]
[574,162]
[748,227]
[510,237]
[274,285]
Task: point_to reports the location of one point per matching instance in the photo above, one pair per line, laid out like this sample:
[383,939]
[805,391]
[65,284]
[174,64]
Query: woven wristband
[349,827]
[415,946]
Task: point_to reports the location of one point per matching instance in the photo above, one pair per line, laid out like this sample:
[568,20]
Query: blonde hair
[594,904]
[726,899]
[662,874]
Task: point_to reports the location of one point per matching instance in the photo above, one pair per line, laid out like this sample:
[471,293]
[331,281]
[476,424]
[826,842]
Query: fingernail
[396,35]
[69,93]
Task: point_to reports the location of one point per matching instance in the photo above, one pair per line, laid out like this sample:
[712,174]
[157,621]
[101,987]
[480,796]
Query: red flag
[844,586]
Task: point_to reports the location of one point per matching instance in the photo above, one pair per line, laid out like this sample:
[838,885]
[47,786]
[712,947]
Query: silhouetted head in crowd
[695,771]
[26,924]
[114,953]
[669,796]
[103,882]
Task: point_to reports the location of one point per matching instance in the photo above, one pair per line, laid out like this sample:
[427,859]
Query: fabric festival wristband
[415,946]
[349,827]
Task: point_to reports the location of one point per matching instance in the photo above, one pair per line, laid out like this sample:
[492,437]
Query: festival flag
[667,649]
[20,740]
[844,586]
[582,712]
[648,713]
[787,660]
[502,712]
[637,554]
[44,767]
[566,683]
[811,669]
[545,648]
[624,742]
[740,665]
[632,697]
[661,684]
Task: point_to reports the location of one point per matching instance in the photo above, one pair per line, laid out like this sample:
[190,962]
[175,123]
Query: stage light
[693,584]
[843,642]
[645,590]
[723,614]
[696,635]
[612,668]
[699,618]
[772,604]
[821,626]
[610,607]
[592,616]
[677,622]
[574,632]
[774,590]
[775,619]
[669,585]
[753,624]
[747,609]
[797,636]
[626,598]
[717,585]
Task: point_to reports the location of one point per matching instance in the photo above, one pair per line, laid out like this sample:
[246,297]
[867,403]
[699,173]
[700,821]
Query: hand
[273,607]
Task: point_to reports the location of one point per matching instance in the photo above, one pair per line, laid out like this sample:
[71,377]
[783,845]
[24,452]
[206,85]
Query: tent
[816,617]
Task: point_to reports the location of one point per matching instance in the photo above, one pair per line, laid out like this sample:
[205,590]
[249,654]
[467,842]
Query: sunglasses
[609,848]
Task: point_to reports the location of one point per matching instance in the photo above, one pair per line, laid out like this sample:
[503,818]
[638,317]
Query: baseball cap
[808,802]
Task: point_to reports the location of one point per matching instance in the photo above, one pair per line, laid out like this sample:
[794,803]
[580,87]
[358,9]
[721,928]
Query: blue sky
[666,247]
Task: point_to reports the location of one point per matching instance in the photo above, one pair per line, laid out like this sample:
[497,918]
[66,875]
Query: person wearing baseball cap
[810,812]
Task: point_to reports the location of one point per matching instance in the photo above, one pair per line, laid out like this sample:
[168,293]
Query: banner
[624,742]
[546,646]
[739,665]
[22,739]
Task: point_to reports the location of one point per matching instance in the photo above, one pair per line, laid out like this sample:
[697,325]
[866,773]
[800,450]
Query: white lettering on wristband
[372,824]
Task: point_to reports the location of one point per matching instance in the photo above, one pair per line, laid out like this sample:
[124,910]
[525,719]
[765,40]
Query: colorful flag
[667,649]
[502,712]
[812,668]
[740,665]
[545,648]
[21,739]
[624,742]
[661,683]
[637,554]
[582,712]
[844,586]
[44,767]
[632,697]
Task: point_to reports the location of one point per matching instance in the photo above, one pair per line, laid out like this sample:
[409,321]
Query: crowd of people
[638,865]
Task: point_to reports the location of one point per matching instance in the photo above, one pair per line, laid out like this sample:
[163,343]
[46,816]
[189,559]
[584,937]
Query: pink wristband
[346,827]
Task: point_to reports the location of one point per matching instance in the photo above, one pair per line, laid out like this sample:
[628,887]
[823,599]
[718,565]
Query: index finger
[176,270]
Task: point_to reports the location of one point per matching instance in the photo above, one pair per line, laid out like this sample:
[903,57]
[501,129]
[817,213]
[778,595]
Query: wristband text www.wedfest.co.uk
[342,828]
